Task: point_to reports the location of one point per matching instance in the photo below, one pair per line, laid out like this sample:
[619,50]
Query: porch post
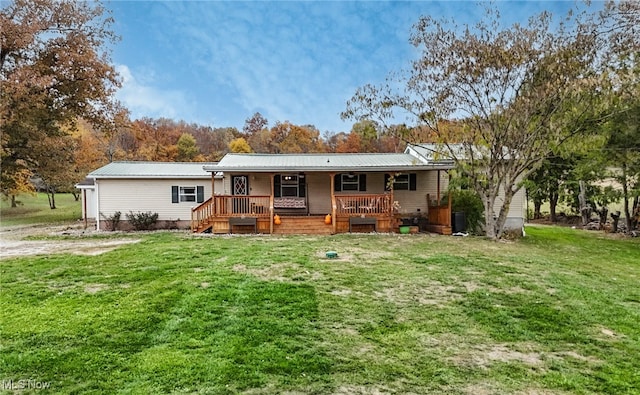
[391,214]
[438,193]
[334,220]
[213,183]
[271,176]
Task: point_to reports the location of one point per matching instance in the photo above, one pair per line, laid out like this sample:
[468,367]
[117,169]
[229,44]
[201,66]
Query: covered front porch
[321,194]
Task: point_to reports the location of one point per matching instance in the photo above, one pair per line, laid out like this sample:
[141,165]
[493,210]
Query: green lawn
[555,313]
[34,209]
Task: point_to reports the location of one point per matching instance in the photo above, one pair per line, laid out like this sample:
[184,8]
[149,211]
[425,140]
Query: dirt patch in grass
[435,293]
[280,272]
[486,355]
[14,244]
[94,288]
[18,248]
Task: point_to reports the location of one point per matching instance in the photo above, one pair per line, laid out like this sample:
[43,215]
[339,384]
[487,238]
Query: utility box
[458,222]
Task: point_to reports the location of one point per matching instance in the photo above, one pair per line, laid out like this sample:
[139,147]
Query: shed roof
[264,163]
[129,169]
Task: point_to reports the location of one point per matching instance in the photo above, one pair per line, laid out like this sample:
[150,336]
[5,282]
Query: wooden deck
[351,213]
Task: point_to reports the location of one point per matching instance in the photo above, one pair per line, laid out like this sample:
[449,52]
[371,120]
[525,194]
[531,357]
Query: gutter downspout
[84,206]
[96,183]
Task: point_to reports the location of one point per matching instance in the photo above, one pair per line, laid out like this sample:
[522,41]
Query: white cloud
[146,100]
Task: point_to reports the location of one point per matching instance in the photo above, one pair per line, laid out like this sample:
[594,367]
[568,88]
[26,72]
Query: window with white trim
[350,182]
[187,194]
[401,182]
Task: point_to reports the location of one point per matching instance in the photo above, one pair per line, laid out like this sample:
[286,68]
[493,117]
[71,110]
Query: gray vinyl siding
[147,195]
[426,183]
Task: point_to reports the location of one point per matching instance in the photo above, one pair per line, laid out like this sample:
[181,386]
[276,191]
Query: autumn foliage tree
[54,69]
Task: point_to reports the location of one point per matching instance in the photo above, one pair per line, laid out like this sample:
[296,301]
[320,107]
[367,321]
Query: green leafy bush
[470,203]
[142,221]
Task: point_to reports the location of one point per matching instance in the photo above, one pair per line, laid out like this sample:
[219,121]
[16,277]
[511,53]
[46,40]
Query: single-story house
[319,193]
[277,193]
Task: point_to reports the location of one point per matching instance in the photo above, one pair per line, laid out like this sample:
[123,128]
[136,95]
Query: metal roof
[151,170]
[447,153]
[264,163]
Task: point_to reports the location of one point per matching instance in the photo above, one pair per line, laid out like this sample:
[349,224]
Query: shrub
[112,221]
[470,203]
[142,221]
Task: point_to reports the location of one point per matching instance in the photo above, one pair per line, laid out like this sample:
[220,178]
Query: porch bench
[243,221]
[363,221]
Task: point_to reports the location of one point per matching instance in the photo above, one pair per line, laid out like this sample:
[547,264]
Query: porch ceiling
[328,162]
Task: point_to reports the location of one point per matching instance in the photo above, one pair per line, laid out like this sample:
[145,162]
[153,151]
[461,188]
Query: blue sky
[217,63]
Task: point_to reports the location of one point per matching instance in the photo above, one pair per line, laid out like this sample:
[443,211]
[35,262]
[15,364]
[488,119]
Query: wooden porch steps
[297,225]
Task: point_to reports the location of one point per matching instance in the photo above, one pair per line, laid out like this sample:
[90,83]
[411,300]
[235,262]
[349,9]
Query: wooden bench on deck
[243,221]
[363,221]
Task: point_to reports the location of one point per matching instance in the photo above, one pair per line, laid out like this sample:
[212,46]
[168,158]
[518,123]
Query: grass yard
[34,209]
[555,313]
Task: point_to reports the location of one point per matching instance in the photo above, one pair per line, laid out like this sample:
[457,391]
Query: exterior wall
[426,184]
[259,184]
[153,195]
[516,214]
[89,203]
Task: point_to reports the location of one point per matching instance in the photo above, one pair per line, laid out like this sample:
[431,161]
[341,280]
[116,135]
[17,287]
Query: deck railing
[357,205]
[241,206]
[225,206]
[439,213]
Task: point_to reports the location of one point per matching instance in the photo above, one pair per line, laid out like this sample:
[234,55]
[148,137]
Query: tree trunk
[14,204]
[76,196]
[489,219]
[602,213]
[625,193]
[585,210]
[636,212]
[537,204]
[553,204]
[616,217]
[52,198]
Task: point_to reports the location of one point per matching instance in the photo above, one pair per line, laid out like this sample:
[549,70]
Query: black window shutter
[174,194]
[302,190]
[412,182]
[387,187]
[277,183]
[337,187]
[199,194]
[362,179]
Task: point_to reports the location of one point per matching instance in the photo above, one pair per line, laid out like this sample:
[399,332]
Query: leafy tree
[240,145]
[623,151]
[351,143]
[54,69]
[507,87]
[260,141]
[17,183]
[187,148]
[289,138]
[367,131]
